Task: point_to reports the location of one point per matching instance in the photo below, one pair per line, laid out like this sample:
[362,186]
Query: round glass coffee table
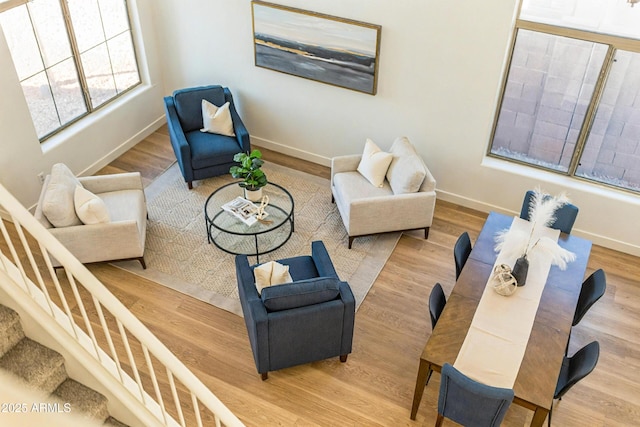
[234,236]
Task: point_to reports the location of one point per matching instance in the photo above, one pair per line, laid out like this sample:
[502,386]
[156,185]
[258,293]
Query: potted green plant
[249,170]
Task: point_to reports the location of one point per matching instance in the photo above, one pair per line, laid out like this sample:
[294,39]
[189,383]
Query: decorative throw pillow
[271,273]
[406,171]
[217,119]
[57,203]
[89,207]
[374,163]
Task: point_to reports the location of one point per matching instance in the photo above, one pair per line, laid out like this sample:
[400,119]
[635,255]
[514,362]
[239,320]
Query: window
[71,57]
[571,99]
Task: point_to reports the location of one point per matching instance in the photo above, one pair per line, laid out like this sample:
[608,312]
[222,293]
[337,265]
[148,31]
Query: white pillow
[271,273]
[57,203]
[374,163]
[89,207]
[406,171]
[217,119]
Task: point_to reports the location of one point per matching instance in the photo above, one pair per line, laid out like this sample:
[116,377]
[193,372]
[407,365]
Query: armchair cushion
[210,148]
[300,294]
[374,163]
[57,204]
[90,208]
[217,119]
[406,171]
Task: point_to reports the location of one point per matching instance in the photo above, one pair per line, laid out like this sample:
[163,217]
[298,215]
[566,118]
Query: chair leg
[439,420]
[190,185]
[428,377]
[549,417]
[426,233]
[265,375]
[144,264]
[343,357]
[351,241]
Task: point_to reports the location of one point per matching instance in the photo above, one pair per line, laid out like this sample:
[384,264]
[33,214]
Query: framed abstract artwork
[325,48]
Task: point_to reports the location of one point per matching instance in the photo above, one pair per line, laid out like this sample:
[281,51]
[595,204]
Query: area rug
[178,255]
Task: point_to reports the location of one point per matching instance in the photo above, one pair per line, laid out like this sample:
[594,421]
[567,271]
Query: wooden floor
[375,386]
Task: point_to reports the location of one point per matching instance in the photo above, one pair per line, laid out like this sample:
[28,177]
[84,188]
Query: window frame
[79,68]
[614,43]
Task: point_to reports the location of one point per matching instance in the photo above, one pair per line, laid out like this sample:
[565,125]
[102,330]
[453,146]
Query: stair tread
[8,315]
[10,329]
[82,399]
[36,364]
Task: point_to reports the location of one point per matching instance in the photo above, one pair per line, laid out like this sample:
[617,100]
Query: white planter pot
[254,196]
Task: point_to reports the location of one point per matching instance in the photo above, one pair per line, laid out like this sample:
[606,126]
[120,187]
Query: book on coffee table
[244,210]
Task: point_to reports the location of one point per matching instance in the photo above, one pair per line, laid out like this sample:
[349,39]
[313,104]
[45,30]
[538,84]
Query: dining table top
[536,380]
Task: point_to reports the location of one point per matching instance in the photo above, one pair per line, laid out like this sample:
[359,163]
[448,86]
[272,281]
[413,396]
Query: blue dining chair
[469,402]
[437,301]
[565,215]
[592,290]
[461,252]
[574,369]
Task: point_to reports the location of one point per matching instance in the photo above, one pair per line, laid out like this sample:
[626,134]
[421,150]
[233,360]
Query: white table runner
[497,338]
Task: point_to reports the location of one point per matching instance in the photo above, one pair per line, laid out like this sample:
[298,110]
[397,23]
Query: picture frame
[328,49]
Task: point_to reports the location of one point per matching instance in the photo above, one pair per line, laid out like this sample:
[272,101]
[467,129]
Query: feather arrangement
[542,212]
[543,207]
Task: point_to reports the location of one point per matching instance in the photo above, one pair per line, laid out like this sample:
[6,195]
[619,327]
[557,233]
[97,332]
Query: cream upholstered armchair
[116,231]
[404,200]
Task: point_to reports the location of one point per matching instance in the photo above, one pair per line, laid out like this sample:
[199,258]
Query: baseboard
[293,152]
[597,239]
[124,147]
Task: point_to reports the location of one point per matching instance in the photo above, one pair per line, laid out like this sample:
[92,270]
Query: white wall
[90,144]
[440,73]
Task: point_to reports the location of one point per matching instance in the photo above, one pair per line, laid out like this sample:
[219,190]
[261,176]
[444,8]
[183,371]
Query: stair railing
[75,299]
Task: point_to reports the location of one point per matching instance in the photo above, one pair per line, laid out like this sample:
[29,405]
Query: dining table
[537,373]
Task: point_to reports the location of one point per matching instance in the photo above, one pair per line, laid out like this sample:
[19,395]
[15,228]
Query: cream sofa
[123,237]
[401,203]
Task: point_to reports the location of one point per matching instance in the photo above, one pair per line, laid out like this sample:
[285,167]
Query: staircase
[43,369]
[103,343]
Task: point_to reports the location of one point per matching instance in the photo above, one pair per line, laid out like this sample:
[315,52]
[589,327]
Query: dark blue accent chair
[461,252]
[574,369]
[301,322]
[469,402]
[201,154]
[565,216]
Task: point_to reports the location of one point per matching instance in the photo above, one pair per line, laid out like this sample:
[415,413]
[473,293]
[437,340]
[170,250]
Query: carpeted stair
[43,369]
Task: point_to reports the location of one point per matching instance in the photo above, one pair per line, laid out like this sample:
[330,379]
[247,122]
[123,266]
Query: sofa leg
[333,199]
[144,264]
[265,375]
[351,241]
[190,185]
[343,357]
[426,232]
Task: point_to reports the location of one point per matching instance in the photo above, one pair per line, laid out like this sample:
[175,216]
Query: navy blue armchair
[295,323]
[201,154]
